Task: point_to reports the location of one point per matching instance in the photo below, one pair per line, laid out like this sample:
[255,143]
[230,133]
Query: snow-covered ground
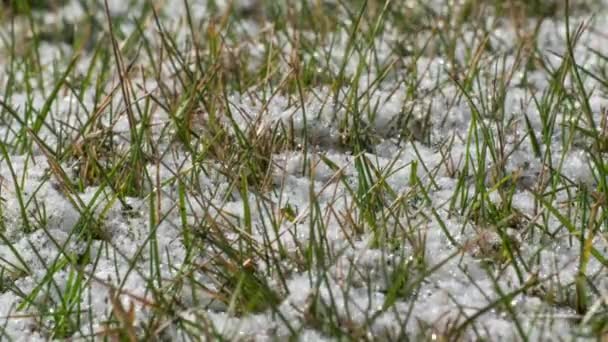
[444,189]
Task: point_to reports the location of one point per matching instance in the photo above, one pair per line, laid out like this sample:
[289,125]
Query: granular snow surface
[462,276]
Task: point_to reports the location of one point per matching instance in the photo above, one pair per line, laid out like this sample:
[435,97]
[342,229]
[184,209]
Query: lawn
[303,170]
